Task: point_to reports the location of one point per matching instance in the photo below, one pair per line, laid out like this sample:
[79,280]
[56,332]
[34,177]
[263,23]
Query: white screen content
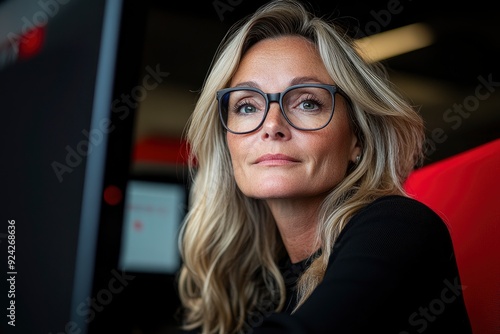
[153,214]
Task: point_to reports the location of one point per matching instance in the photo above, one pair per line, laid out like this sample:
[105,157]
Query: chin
[271,193]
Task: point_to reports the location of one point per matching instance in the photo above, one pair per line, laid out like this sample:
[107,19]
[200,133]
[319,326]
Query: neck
[297,222]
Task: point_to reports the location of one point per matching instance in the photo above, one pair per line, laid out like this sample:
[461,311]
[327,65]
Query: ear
[356,149]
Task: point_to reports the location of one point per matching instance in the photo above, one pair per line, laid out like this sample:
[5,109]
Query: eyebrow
[295,81]
[301,80]
[247,84]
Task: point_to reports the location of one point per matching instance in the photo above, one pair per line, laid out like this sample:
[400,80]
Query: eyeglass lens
[305,108]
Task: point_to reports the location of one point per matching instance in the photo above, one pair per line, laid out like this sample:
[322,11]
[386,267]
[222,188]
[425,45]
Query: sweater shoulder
[402,211]
[397,223]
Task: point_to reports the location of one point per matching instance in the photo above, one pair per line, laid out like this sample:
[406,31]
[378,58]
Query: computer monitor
[63,64]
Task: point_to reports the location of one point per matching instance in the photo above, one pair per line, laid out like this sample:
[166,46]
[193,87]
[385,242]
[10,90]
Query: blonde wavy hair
[229,243]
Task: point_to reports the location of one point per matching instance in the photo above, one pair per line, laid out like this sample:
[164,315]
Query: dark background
[47,101]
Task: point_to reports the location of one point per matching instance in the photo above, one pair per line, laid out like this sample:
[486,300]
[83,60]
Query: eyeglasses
[306,107]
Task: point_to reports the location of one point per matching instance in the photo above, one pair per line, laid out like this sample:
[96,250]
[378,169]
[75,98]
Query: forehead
[279,60]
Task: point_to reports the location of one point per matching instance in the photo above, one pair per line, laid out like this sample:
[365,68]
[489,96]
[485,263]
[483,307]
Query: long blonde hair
[229,243]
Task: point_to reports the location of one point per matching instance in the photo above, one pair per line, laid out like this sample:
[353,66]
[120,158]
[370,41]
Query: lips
[275,159]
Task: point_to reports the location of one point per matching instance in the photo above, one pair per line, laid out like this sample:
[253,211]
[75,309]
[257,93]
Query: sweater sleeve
[392,270]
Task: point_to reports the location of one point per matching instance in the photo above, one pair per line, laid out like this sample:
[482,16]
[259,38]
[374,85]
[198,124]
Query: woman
[298,221]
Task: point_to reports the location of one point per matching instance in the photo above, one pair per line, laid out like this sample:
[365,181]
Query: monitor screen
[153,214]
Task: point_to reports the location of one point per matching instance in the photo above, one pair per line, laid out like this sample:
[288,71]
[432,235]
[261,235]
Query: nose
[275,125]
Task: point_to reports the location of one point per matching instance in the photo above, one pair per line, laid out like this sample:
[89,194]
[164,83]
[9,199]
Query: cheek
[238,155]
[334,154]
[234,146]
[331,160]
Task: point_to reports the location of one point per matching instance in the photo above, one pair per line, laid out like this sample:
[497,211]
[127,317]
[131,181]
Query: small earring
[358,157]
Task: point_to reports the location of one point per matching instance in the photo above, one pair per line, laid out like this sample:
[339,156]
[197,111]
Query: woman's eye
[308,105]
[247,109]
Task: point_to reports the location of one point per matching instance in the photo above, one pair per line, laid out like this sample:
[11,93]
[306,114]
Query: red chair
[465,191]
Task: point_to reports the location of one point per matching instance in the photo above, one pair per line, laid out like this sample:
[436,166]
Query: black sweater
[392,271]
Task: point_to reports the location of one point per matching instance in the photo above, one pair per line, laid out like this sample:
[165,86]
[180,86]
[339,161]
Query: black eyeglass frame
[278,97]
